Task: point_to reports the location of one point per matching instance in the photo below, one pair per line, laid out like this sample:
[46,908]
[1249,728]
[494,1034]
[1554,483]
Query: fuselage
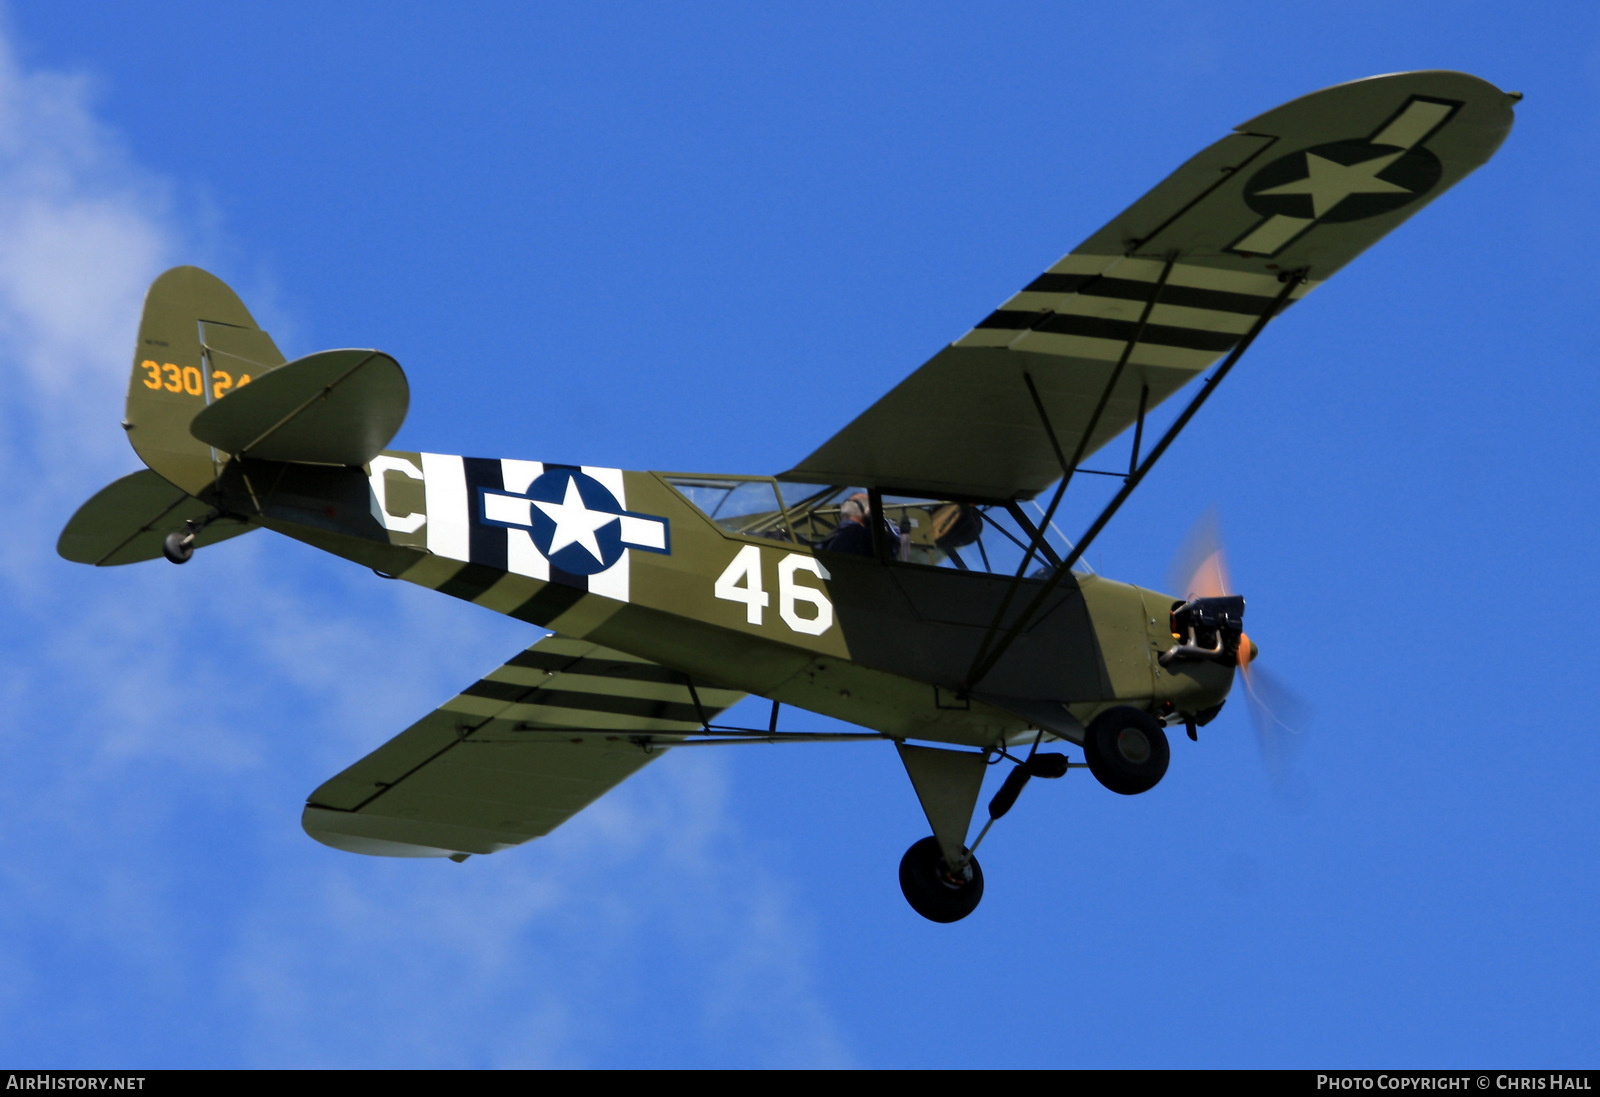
[625,559]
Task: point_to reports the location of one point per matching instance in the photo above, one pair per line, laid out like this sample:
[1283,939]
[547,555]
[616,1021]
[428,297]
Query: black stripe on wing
[555,663]
[1130,289]
[1099,327]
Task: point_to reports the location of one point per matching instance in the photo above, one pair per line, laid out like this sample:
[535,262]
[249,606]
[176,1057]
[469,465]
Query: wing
[512,757]
[1169,286]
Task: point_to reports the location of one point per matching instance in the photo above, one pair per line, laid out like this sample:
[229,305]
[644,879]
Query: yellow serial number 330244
[187,379]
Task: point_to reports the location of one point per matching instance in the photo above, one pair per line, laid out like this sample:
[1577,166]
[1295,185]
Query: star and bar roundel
[1345,180]
[574,520]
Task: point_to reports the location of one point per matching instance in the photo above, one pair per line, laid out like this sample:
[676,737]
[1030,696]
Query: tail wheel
[178,546]
[935,892]
[1127,750]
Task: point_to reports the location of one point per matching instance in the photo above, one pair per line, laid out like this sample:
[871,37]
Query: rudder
[197,342]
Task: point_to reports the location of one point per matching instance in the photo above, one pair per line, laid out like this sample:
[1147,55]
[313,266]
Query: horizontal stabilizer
[336,407]
[127,521]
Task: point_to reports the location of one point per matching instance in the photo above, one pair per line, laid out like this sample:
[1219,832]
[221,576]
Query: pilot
[853,535]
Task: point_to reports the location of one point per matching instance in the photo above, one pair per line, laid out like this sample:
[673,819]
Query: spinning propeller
[1279,715]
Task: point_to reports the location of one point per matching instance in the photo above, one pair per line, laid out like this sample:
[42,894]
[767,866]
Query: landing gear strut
[933,889]
[939,875]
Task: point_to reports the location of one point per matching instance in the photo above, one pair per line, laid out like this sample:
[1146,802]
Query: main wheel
[178,547]
[932,889]
[1126,750]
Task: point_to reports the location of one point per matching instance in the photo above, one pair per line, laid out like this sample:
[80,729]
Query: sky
[701,238]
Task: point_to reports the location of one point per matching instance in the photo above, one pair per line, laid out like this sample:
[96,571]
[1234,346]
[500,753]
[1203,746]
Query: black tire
[928,886]
[1127,750]
[178,547]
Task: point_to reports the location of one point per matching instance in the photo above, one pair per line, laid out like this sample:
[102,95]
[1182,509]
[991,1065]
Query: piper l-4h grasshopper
[907,577]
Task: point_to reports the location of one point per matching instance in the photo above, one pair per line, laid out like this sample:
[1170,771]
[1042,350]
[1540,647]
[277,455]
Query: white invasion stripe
[445,485]
[1414,123]
[1086,346]
[1259,285]
[1083,263]
[517,475]
[507,508]
[1112,308]
[558,716]
[520,676]
[1274,233]
[612,582]
[990,337]
[1109,350]
[644,532]
[1182,316]
[1198,276]
[523,558]
[566,645]
[1191,275]
[601,686]
[1141,269]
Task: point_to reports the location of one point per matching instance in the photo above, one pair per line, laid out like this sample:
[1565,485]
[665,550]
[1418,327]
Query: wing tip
[1464,85]
[384,836]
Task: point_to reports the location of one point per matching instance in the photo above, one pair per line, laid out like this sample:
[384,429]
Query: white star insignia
[1329,182]
[575,523]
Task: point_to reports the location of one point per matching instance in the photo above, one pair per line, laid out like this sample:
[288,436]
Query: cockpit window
[742,505]
[943,533]
[986,537]
[989,537]
[816,511]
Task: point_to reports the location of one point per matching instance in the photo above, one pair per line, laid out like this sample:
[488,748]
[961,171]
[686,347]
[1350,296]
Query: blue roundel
[577,527]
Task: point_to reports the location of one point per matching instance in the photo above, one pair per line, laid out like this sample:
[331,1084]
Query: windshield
[742,505]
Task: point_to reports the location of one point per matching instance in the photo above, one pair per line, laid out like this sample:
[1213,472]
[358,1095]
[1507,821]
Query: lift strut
[986,659]
[1067,467]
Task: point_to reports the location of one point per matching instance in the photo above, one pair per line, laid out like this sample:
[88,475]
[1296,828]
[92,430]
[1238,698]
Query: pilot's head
[855,509]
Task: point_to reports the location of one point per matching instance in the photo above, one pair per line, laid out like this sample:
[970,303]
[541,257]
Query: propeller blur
[1279,715]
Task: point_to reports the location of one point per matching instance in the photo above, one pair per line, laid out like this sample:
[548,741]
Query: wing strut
[1138,430]
[1068,467]
[984,662]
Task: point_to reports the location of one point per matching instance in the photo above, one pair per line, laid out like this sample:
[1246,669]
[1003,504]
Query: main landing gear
[1124,748]
[939,875]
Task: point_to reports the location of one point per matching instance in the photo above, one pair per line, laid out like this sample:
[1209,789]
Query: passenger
[853,536]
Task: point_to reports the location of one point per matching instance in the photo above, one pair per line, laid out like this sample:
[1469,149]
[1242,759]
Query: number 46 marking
[746,570]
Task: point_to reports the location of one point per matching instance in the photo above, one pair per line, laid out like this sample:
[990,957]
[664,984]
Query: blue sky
[656,236]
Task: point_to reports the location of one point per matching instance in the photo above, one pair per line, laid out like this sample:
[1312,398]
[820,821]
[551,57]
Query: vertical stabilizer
[197,342]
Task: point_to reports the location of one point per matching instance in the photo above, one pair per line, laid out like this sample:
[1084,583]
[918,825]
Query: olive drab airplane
[907,577]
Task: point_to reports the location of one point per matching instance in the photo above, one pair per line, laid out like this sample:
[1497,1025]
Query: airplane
[908,577]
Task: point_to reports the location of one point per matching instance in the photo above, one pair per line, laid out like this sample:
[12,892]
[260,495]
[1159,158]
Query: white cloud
[158,902]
